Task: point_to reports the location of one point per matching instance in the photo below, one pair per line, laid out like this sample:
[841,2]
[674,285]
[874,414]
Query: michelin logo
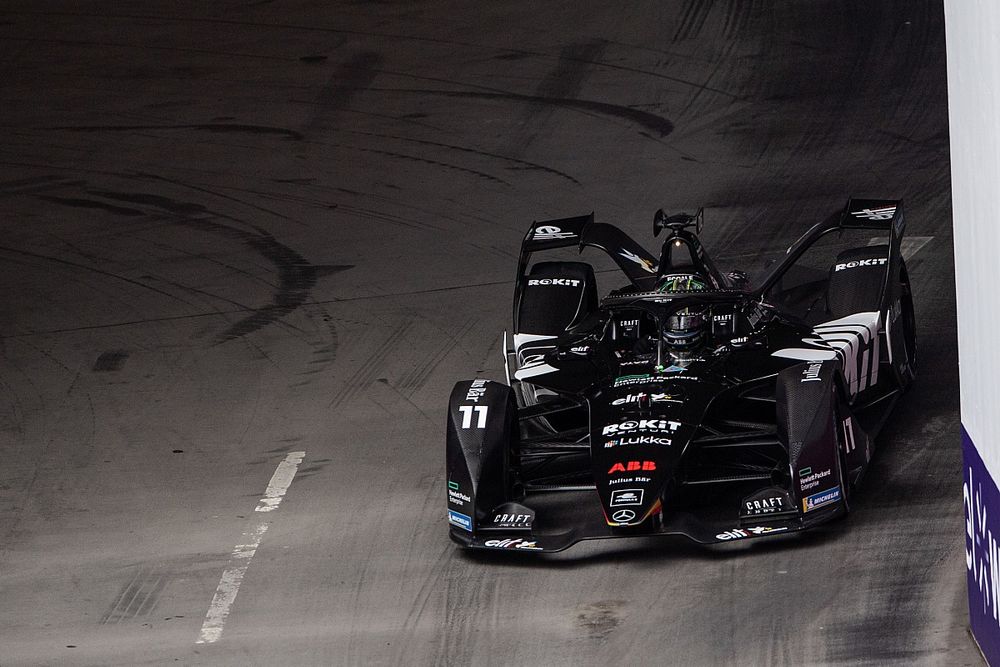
[460,520]
[820,499]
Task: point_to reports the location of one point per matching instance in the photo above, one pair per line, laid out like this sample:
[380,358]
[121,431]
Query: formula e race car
[686,402]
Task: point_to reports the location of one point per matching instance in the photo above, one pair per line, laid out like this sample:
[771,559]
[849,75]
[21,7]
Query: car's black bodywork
[603,430]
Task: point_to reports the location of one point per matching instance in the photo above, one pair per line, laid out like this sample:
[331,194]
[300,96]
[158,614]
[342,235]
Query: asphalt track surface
[232,232]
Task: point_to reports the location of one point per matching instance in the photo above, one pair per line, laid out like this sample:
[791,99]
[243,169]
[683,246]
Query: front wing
[573,523]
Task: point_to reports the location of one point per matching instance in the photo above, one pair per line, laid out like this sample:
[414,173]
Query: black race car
[686,402]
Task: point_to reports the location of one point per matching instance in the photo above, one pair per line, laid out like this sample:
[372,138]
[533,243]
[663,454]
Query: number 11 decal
[466,411]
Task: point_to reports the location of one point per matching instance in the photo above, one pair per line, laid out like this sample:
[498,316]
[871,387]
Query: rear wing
[581,231]
[885,215]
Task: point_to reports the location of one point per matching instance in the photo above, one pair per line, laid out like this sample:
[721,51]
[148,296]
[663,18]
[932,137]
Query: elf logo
[632,466]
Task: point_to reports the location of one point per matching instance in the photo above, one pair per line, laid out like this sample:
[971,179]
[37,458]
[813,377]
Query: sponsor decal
[645,264]
[621,497]
[821,499]
[653,398]
[514,543]
[456,497]
[636,362]
[771,505]
[581,350]
[460,520]
[550,233]
[565,282]
[623,516]
[476,390]
[639,440]
[849,443]
[980,500]
[467,410]
[883,213]
[811,373]
[809,479]
[860,262]
[626,380]
[632,466]
[646,425]
[853,340]
[513,521]
[740,533]
[722,318]
[630,480]
[741,340]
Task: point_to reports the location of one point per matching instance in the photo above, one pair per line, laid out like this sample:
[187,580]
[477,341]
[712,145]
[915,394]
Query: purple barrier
[982,552]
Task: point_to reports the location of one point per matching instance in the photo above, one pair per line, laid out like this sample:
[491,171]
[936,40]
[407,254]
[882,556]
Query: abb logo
[632,466]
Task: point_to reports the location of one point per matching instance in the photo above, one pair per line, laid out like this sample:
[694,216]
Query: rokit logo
[649,425]
[513,543]
[632,466]
[639,440]
[565,282]
[626,497]
[550,233]
[860,262]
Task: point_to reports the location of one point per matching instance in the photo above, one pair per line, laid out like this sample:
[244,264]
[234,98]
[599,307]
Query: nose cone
[632,459]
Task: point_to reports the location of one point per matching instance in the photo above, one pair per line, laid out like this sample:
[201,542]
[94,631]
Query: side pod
[807,423]
[481,455]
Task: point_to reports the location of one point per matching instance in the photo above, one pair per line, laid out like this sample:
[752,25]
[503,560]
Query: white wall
[972,29]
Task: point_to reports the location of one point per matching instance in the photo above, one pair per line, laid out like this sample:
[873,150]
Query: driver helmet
[684,329]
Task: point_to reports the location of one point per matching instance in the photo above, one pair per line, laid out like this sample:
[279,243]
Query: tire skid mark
[146,47]
[79,202]
[381,37]
[464,149]
[364,376]
[419,160]
[649,121]
[137,597]
[417,377]
[693,19]
[345,83]
[220,128]
[564,81]
[91,269]
[296,276]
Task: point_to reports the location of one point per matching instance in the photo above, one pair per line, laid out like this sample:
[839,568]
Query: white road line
[280,480]
[239,560]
